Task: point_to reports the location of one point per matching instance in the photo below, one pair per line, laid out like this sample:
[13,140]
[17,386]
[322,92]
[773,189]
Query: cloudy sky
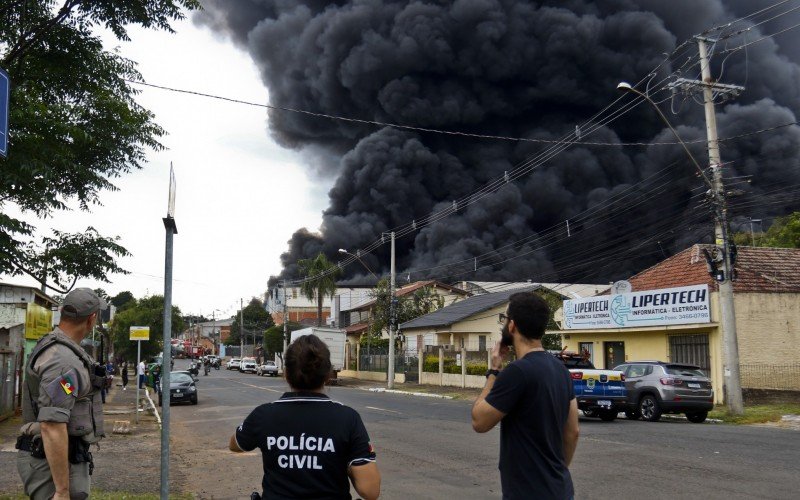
[239,196]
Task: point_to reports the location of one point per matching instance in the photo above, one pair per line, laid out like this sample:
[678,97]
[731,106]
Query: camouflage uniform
[62,386]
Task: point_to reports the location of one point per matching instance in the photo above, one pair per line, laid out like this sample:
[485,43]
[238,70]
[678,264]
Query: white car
[248,365]
[234,364]
[267,368]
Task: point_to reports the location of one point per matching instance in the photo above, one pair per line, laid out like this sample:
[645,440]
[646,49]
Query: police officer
[310,444]
[61,408]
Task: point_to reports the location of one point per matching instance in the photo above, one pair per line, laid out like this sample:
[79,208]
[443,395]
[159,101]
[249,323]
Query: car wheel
[608,415]
[649,408]
[632,414]
[697,417]
[194,400]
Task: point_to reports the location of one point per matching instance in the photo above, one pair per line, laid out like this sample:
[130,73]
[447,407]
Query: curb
[407,393]
[153,405]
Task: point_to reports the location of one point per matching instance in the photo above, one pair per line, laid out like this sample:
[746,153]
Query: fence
[782,376]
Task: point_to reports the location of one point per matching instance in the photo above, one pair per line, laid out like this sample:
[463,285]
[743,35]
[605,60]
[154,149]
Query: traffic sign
[5,96]
[140,333]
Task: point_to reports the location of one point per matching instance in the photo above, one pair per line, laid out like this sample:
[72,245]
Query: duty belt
[78,451]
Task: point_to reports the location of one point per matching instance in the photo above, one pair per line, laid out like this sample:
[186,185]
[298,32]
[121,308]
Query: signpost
[139,333]
[5,97]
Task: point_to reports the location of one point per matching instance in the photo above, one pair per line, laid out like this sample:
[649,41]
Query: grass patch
[756,414]
[114,495]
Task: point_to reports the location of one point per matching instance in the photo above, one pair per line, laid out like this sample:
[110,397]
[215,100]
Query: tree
[74,127]
[320,275]
[273,338]
[256,321]
[423,301]
[123,300]
[784,232]
[148,311]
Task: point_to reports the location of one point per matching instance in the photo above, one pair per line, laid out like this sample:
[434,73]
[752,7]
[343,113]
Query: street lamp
[342,250]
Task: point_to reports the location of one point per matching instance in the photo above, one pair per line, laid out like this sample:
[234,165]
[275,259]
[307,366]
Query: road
[427,449]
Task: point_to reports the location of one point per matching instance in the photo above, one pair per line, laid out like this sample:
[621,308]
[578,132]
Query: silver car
[656,387]
[267,368]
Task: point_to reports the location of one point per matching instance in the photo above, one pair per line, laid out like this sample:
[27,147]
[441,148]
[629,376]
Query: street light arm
[626,87]
[342,250]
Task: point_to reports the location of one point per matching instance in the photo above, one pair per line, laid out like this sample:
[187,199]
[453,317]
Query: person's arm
[571,432]
[366,480]
[55,439]
[234,446]
[484,415]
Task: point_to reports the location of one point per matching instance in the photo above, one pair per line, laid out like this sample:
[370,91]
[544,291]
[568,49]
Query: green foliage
[374,342]
[423,301]
[431,365]
[783,233]
[321,277]
[148,311]
[256,320]
[123,300]
[74,126]
[273,338]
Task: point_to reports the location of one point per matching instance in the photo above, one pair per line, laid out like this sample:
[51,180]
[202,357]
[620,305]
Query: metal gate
[690,349]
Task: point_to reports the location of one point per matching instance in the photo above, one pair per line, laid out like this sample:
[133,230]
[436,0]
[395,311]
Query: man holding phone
[534,399]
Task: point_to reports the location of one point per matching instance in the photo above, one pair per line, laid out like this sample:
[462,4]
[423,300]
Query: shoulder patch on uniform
[64,387]
[68,385]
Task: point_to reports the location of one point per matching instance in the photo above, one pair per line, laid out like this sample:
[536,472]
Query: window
[294,293]
[588,347]
[481,342]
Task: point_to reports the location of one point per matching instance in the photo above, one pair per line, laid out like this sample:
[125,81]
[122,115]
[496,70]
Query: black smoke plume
[517,69]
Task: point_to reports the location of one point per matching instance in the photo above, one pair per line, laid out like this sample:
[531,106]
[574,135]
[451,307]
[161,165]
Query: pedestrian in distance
[140,372]
[61,409]
[124,369]
[534,402]
[309,443]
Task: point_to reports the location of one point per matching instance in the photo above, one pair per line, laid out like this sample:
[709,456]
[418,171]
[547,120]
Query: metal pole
[138,380]
[731,375]
[390,375]
[241,328]
[285,321]
[166,360]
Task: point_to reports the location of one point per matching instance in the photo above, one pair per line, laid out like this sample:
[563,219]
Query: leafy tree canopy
[783,233]
[423,301]
[123,300]
[74,127]
[273,339]
[256,321]
[148,311]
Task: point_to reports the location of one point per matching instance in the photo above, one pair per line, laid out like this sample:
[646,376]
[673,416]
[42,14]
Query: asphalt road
[426,449]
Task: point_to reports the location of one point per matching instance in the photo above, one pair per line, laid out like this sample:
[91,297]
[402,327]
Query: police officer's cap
[81,302]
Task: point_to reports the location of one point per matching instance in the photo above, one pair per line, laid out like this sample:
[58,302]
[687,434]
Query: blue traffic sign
[5,96]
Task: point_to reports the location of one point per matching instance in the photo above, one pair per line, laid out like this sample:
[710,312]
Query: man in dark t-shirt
[534,399]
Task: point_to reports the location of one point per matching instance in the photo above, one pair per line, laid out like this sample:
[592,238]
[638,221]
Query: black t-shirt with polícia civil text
[535,393]
[307,442]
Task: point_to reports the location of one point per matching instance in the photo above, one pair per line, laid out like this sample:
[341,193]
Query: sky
[239,195]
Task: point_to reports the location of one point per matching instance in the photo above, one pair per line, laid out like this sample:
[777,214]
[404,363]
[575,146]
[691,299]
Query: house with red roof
[672,313]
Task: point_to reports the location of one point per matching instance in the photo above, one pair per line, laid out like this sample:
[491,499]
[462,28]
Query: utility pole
[241,328]
[392,312]
[731,376]
[285,320]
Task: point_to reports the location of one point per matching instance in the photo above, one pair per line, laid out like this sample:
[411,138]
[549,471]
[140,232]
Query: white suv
[248,365]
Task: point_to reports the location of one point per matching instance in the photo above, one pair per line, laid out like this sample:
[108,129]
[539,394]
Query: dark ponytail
[308,363]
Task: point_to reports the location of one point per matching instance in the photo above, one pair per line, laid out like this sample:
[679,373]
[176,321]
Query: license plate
[694,386]
[604,403]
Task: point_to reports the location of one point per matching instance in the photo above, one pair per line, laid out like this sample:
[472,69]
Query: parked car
[234,364]
[182,388]
[267,368]
[600,393]
[656,387]
[248,365]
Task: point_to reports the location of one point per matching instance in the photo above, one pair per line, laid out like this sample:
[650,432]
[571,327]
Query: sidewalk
[467,394]
[123,462]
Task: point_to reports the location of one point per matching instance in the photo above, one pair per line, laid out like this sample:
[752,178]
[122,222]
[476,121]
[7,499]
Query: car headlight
[191,388]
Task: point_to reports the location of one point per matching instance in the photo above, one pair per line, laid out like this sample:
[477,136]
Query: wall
[768,327]
[399,378]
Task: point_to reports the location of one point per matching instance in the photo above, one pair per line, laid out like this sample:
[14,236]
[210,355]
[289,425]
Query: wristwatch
[492,372]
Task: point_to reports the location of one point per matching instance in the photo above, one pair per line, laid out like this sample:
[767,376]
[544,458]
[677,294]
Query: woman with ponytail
[310,444]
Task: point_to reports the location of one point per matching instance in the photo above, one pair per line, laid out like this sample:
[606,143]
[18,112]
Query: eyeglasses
[502,317]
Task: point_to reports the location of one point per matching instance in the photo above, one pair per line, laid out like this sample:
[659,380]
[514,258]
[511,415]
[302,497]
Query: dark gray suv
[656,387]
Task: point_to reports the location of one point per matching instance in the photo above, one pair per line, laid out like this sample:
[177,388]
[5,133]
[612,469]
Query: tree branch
[34,35]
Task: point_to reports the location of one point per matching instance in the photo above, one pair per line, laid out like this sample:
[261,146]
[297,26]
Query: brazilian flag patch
[67,385]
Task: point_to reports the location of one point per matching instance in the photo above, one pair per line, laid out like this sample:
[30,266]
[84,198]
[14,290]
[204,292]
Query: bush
[431,365]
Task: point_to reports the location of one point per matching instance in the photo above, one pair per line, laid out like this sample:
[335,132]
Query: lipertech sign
[668,306]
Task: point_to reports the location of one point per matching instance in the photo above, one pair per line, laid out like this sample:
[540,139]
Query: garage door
[690,349]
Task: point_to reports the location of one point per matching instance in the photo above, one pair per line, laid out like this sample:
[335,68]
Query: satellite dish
[621,286]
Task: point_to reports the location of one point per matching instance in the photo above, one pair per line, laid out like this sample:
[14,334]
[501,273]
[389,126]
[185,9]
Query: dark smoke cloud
[522,69]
